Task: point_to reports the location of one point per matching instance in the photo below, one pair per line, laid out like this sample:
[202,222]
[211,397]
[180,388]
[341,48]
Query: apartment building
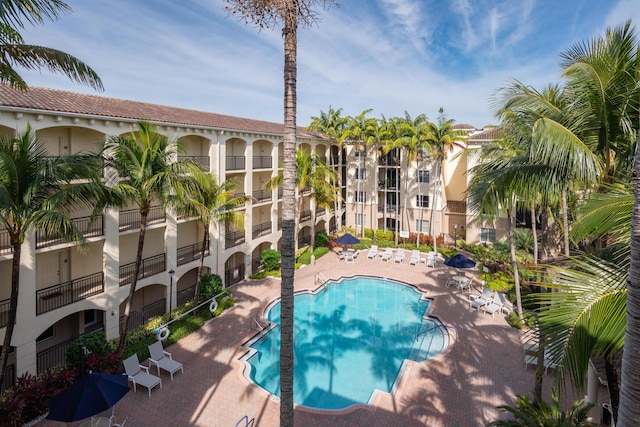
[65,292]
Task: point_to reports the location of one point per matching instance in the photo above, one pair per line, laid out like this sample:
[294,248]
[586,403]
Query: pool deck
[483,368]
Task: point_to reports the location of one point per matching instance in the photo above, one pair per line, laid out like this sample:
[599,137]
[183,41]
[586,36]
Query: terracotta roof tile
[488,134]
[54,100]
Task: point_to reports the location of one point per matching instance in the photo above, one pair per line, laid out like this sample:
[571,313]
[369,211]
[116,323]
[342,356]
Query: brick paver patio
[483,368]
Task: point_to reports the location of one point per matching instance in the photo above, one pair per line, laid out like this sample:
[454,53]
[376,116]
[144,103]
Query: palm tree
[37,192]
[147,173]
[332,124]
[289,13]
[442,138]
[16,53]
[313,174]
[412,138]
[533,414]
[212,202]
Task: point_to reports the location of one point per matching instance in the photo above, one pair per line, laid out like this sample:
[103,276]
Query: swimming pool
[351,338]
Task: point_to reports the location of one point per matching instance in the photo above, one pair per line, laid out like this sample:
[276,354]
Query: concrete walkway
[483,368]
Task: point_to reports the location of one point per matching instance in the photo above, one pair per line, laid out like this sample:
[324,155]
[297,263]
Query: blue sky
[391,56]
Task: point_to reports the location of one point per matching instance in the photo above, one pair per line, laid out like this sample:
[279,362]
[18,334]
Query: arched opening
[234,269]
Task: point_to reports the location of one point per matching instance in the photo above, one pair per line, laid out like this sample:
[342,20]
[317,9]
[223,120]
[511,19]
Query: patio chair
[477,301]
[349,257]
[386,256]
[431,260]
[373,251]
[415,257]
[530,354]
[163,360]
[462,284]
[342,254]
[506,305]
[492,307]
[139,374]
[399,255]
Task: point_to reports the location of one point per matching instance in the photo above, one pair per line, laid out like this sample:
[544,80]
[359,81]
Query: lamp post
[171,273]
[455,236]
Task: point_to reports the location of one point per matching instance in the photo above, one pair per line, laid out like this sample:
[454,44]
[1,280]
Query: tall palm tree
[289,14]
[213,203]
[15,53]
[332,124]
[442,138]
[412,138]
[147,173]
[37,192]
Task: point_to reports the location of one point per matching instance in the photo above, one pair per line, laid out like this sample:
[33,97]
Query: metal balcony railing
[142,316]
[304,241]
[87,227]
[185,295]
[130,220]
[150,266]
[235,163]
[5,242]
[305,215]
[457,206]
[234,274]
[4,312]
[387,208]
[67,293]
[262,195]
[202,160]
[190,253]
[9,378]
[256,266]
[233,238]
[262,162]
[320,211]
[261,229]
[53,356]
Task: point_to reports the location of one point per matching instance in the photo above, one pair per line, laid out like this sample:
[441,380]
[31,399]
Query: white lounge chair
[349,257]
[506,305]
[415,257]
[477,301]
[431,260]
[399,255]
[163,360]
[492,307]
[463,284]
[373,251]
[386,256]
[139,374]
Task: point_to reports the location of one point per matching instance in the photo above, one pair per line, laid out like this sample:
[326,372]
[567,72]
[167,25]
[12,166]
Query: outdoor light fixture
[455,236]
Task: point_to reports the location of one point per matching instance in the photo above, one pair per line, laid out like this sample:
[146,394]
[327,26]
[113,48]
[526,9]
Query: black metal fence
[233,238]
[130,220]
[262,195]
[185,295]
[150,266]
[192,252]
[234,163]
[53,356]
[305,215]
[261,229]
[9,378]
[4,312]
[69,292]
[234,274]
[88,227]
[262,162]
[142,316]
[5,242]
[201,160]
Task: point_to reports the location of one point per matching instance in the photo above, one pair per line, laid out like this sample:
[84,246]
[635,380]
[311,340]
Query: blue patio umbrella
[459,261]
[90,395]
[347,239]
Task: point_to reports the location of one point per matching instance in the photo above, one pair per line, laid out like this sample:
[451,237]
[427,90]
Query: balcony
[150,266]
[190,253]
[57,296]
[201,160]
[457,206]
[130,220]
[5,242]
[54,356]
[389,160]
[234,274]
[388,185]
[4,312]
[88,227]
[235,163]
[262,162]
[261,230]
[305,215]
[262,195]
[387,208]
[320,211]
[233,238]
[304,241]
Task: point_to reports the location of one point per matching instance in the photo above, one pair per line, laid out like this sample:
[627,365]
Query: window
[422,225]
[361,196]
[90,318]
[487,235]
[361,219]
[361,173]
[422,176]
[422,201]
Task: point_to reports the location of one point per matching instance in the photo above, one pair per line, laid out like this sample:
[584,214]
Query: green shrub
[321,251]
[96,343]
[368,233]
[447,252]
[514,320]
[304,258]
[210,285]
[322,238]
[270,259]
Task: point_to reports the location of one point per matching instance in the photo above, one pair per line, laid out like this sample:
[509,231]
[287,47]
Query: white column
[111,262]
[23,334]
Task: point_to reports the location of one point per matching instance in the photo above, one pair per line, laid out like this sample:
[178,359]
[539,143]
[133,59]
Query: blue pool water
[351,338]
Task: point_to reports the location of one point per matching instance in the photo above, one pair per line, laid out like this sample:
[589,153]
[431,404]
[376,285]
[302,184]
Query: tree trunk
[514,262]
[436,184]
[565,222]
[534,232]
[13,304]
[611,368]
[134,281]
[196,292]
[629,410]
[289,33]
[537,390]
